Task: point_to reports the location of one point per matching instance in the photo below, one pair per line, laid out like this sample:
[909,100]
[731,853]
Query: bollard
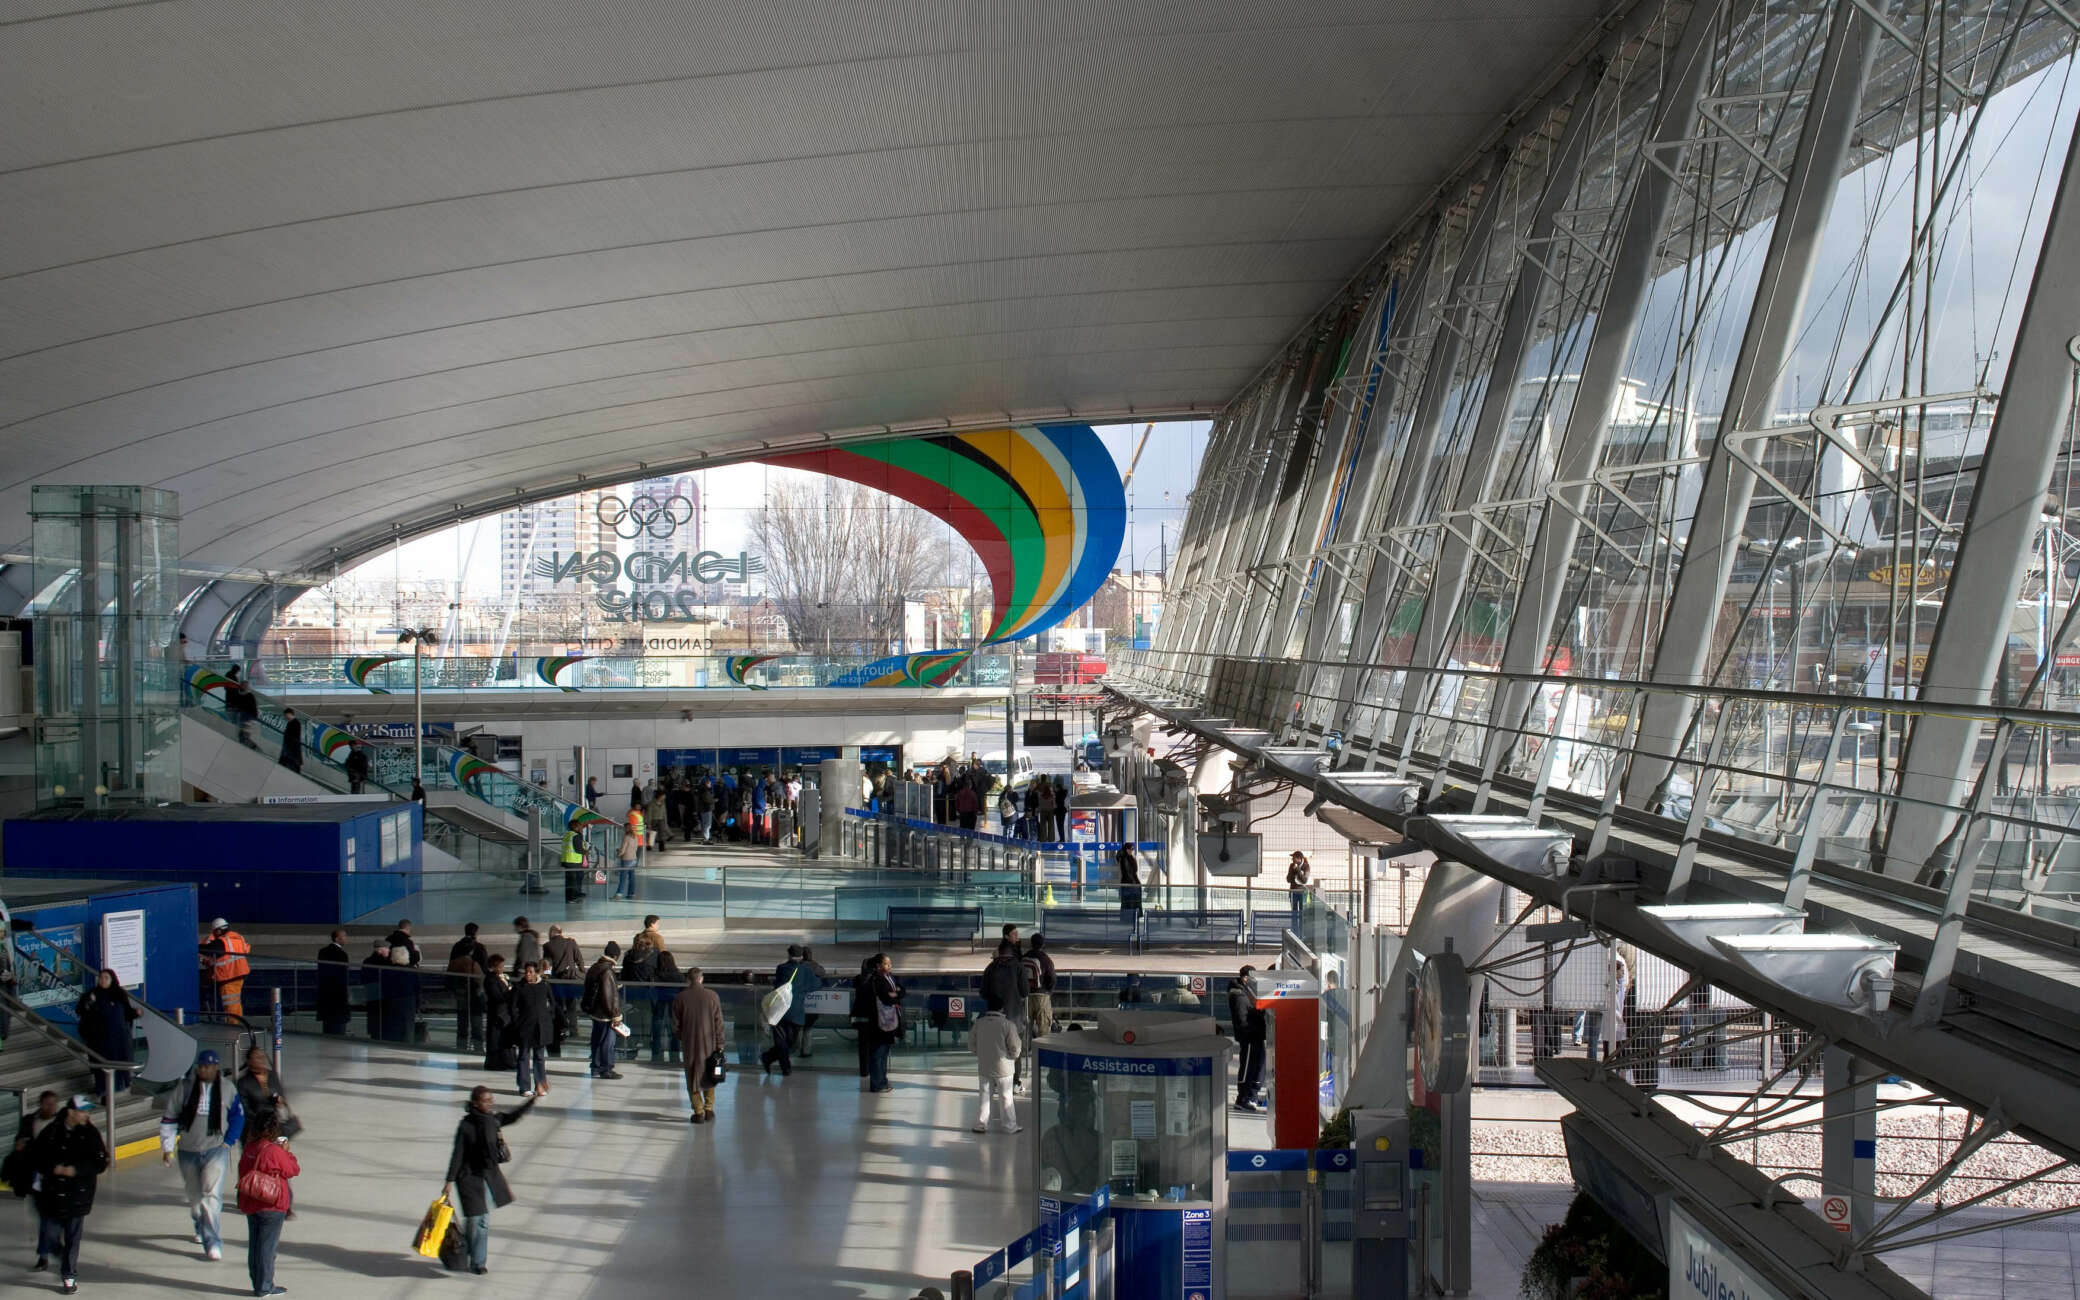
[964,1285]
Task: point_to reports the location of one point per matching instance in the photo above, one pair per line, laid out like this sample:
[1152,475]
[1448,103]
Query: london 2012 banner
[1041,504]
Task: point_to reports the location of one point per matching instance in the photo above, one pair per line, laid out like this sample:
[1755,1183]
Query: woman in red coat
[264,1172]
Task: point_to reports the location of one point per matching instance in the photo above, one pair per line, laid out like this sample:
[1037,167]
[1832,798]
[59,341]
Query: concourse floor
[806,1188]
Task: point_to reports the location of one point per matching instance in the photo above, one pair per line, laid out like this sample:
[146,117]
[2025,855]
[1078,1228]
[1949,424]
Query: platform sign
[828,1002]
[1701,1267]
[749,757]
[1835,1209]
[807,755]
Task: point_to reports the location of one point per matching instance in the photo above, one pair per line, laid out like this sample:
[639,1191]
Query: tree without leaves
[841,559]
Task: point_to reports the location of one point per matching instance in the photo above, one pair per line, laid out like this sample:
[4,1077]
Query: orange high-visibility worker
[225,958]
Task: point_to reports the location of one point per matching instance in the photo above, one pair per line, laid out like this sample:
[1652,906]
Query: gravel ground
[1912,1143]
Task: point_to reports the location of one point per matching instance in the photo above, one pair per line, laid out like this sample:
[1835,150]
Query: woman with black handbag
[697,1021]
[473,1170]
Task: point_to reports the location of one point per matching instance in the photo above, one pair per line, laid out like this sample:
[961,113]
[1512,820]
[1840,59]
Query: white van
[1021,772]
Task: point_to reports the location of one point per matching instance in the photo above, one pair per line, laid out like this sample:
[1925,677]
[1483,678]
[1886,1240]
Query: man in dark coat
[1247,1019]
[335,1006]
[68,1157]
[697,1020]
[292,741]
[473,1170]
[602,1002]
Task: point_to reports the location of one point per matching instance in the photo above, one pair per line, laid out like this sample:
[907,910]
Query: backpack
[1032,969]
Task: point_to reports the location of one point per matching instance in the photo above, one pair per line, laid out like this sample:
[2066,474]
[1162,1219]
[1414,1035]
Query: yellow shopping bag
[427,1241]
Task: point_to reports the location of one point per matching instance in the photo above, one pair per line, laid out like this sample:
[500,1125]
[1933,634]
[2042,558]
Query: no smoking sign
[1835,1209]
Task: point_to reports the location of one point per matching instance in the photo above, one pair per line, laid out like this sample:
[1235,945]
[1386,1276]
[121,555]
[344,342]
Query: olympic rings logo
[645,514]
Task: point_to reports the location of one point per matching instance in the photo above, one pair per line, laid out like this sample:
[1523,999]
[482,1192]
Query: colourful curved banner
[202,679]
[551,667]
[331,741]
[737,665]
[931,668]
[1041,504]
[358,669]
[467,768]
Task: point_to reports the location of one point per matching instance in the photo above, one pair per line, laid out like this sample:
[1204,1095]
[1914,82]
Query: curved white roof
[318,267]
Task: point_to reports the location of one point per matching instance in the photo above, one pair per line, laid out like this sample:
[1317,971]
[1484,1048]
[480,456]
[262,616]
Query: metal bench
[1192,928]
[1087,925]
[928,923]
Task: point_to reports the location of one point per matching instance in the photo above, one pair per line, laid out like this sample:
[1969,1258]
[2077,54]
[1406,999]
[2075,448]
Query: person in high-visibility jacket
[573,865]
[224,957]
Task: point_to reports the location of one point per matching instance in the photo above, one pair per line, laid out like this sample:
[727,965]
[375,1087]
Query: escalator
[477,815]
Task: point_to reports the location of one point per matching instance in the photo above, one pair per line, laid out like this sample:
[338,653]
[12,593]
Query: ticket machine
[1136,1107]
[1293,1001]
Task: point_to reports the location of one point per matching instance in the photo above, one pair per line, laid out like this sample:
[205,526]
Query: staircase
[40,1057]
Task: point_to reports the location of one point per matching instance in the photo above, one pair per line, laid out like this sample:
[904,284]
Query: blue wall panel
[263,871]
[170,936]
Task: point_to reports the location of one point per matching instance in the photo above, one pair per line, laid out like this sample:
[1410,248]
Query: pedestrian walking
[527,944]
[260,1092]
[696,1016]
[795,975]
[107,1019]
[1129,881]
[67,1159]
[1039,966]
[602,1002]
[201,1126]
[467,962]
[14,1170]
[335,974]
[264,1171]
[997,1046]
[292,741]
[533,1030]
[357,768]
[886,997]
[474,1173]
[1249,1024]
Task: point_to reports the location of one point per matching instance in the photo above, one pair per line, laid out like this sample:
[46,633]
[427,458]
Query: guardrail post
[108,1106]
[963,1285]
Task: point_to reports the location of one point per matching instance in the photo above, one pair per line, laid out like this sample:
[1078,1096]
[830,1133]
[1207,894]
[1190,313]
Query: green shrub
[1589,1244]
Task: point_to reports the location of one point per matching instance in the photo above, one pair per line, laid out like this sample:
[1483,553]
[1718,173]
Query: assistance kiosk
[1135,1106]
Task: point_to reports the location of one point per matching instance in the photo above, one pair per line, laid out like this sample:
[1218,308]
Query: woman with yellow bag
[473,1170]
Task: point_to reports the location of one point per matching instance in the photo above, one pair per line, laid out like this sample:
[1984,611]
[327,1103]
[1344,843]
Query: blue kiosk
[1135,1108]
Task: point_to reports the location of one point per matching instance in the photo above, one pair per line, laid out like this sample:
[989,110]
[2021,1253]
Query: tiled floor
[807,1188]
